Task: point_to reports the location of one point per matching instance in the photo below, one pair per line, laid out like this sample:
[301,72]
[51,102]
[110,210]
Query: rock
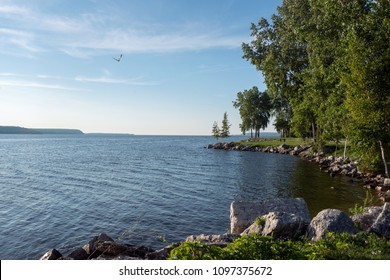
[280,225]
[213,239]
[382,224]
[254,228]
[91,247]
[283,225]
[111,248]
[52,254]
[118,258]
[78,254]
[244,213]
[330,220]
[365,220]
[386,185]
[161,254]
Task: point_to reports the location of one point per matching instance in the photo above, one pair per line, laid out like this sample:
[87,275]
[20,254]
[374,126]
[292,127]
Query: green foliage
[260,221]
[196,251]
[255,110]
[225,129]
[256,247]
[325,64]
[215,131]
[367,201]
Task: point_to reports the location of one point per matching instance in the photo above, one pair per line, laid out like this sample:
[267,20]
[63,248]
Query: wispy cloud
[83,35]
[104,79]
[34,84]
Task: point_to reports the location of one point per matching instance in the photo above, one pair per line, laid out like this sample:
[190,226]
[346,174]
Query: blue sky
[181,69]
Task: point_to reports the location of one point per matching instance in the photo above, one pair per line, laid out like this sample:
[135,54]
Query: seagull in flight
[118,59]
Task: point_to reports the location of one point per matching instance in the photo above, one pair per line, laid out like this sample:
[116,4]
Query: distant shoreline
[23,130]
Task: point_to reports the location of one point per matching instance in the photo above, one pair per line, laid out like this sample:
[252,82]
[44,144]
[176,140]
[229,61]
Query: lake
[58,191]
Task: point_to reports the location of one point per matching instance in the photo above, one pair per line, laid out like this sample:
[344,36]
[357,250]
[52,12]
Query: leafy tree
[255,110]
[368,84]
[325,64]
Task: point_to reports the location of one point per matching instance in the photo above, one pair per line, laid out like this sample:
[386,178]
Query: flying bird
[118,59]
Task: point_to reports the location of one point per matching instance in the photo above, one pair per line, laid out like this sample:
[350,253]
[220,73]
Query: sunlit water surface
[57,191]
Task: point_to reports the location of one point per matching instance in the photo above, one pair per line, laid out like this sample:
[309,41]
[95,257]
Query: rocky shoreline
[284,219]
[330,164]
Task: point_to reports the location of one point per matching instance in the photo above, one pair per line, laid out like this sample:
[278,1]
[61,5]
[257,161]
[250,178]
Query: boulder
[365,220]
[52,254]
[117,258]
[91,247]
[279,225]
[330,220]
[254,228]
[213,239]
[381,225]
[78,254]
[386,185]
[161,254]
[244,213]
[283,225]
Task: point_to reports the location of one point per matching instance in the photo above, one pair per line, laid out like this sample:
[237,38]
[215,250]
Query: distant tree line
[326,65]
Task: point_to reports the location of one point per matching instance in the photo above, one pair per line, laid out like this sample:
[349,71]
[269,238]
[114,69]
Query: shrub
[256,247]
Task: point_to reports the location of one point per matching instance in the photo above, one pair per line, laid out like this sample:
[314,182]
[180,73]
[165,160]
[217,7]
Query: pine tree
[215,131]
[225,130]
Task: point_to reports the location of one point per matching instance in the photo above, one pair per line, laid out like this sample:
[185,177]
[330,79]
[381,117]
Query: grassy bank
[363,246]
[329,148]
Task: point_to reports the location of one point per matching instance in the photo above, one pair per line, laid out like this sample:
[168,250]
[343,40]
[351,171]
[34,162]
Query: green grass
[343,246]
[329,148]
[274,142]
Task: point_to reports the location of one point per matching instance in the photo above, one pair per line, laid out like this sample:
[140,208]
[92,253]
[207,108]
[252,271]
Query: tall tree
[215,130]
[368,82]
[255,110]
[225,129]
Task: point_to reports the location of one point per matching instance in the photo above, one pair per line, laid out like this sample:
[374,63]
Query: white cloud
[33,84]
[85,35]
[14,10]
[108,80]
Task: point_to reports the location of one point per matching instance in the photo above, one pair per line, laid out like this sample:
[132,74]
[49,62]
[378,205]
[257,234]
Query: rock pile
[103,247]
[283,223]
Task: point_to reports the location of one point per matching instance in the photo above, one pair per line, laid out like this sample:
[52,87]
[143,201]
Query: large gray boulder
[382,224]
[330,220]
[244,213]
[279,225]
[283,225]
[365,220]
[91,248]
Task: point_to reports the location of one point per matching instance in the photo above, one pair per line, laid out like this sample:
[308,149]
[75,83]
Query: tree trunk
[313,131]
[345,147]
[384,160]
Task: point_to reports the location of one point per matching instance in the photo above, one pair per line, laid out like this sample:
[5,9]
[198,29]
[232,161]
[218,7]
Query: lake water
[58,191]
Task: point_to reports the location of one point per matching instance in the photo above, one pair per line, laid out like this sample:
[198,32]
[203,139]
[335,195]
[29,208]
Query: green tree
[255,110]
[225,129]
[215,131]
[368,83]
